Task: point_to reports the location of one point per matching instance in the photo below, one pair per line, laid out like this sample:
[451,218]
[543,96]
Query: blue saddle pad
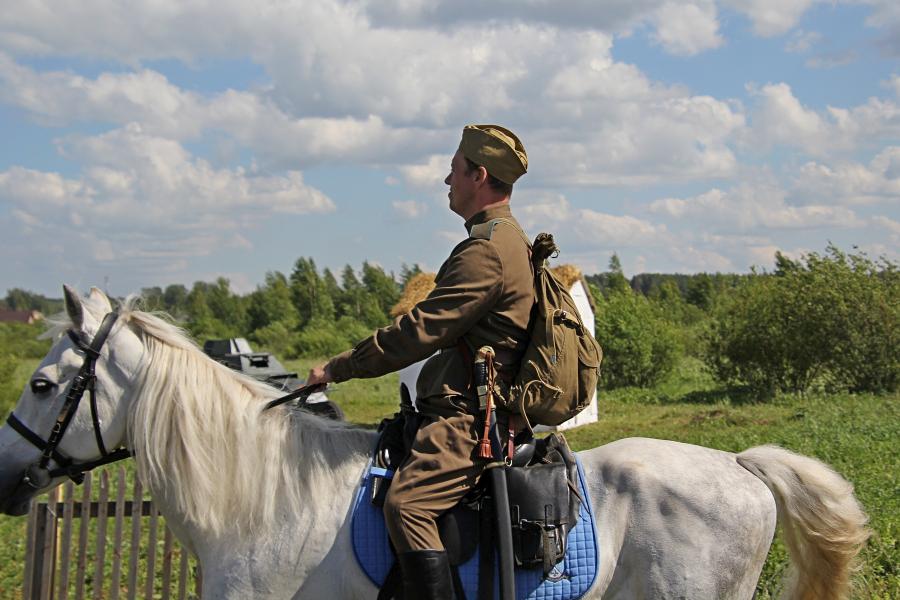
[571,578]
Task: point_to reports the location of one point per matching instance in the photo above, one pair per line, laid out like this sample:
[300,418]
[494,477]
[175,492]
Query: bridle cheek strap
[84,381]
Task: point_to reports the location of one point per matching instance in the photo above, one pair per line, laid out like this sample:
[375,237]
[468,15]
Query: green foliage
[309,293]
[276,338]
[327,337]
[407,273]
[152,299]
[829,320]
[214,311]
[383,293]
[700,291]
[9,392]
[175,299]
[271,303]
[616,282]
[21,340]
[19,299]
[640,346]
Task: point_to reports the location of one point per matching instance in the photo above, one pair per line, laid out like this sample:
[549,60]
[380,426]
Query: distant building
[20,316]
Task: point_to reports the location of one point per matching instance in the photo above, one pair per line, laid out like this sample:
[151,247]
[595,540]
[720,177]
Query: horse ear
[74,306]
[97,295]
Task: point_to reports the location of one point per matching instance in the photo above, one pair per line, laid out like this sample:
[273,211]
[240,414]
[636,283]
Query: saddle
[543,499]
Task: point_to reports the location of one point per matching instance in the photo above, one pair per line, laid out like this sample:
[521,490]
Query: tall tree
[616,281]
[380,285]
[407,273]
[309,293]
[152,298]
[175,299]
[700,291]
[271,303]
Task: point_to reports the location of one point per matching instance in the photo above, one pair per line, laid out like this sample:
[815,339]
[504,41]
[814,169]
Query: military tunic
[483,295]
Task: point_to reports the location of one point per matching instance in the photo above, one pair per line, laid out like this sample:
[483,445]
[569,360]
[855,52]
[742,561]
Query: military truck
[235,353]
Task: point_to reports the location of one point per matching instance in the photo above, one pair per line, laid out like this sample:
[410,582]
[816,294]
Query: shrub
[640,346]
[277,338]
[21,340]
[323,338]
[9,388]
[831,320]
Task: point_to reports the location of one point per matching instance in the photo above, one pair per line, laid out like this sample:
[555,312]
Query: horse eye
[41,386]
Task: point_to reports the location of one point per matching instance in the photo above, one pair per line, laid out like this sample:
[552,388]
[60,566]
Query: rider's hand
[319,374]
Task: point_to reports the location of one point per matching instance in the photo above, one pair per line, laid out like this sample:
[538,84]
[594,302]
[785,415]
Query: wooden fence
[135,557]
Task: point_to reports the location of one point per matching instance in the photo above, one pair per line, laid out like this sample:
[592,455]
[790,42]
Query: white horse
[263,498]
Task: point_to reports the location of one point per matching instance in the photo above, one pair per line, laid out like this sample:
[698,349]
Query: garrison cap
[495,148]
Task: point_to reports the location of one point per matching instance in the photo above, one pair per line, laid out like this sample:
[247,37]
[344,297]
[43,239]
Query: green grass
[856,434]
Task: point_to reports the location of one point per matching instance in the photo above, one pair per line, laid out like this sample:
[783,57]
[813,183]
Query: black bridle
[39,475]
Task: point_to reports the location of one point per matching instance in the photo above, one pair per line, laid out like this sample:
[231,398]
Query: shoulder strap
[484,231]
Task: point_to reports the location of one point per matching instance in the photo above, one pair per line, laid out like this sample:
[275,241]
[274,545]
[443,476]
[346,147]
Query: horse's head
[76,402]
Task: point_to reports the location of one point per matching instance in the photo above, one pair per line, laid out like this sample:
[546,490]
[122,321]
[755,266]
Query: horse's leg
[824,525]
[677,521]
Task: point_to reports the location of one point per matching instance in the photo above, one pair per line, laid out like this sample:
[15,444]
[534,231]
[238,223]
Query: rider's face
[462,185]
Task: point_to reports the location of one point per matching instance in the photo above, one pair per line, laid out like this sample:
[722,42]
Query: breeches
[439,471]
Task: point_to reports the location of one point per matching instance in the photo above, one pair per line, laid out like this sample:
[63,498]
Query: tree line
[827,320]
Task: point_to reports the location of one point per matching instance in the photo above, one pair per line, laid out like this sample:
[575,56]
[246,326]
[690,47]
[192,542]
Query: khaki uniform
[483,294]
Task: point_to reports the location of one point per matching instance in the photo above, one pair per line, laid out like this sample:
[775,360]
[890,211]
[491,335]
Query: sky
[156,142]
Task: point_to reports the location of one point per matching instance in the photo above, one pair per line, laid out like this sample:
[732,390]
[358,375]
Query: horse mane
[201,440]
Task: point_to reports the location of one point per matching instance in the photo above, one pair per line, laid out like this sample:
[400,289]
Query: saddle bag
[544,504]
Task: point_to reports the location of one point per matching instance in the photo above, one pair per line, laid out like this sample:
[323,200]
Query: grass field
[857,434]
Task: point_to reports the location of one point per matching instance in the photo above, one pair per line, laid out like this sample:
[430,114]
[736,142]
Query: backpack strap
[484,231]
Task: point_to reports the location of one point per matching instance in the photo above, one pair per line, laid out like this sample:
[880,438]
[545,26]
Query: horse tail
[824,525]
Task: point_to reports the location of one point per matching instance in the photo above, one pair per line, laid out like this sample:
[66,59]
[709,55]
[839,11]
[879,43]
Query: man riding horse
[483,295]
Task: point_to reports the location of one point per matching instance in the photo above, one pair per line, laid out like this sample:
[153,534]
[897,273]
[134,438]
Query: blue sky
[169,143]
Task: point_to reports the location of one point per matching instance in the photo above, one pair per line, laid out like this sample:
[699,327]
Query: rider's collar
[486,215]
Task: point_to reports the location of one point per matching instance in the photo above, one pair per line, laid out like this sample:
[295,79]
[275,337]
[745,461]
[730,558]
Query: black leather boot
[426,575]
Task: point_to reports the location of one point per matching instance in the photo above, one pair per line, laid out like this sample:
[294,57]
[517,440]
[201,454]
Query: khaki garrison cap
[495,148]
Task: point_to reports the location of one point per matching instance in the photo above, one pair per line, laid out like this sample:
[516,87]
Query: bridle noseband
[39,475]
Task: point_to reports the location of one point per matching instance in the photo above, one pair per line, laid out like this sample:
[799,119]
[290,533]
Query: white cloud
[832,59]
[779,118]
[615,230]
[771,17]
[802,41]
[886,16]
[890,225]
[683,28]
[332,100]
[146,198]
[850,182]
[748,207]
[894,84]
[409,209]
[429,174]
[692,259]
[687,29]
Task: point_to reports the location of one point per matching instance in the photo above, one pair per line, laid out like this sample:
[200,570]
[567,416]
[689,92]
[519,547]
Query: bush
[640,346]
[831,320]
[21,340]
[277,338]
[9,389]
[323,338]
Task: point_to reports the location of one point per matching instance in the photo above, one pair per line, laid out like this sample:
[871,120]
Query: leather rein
[39,474]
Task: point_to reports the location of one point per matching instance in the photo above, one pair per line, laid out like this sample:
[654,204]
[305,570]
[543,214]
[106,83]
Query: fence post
[51,553]
[30,536]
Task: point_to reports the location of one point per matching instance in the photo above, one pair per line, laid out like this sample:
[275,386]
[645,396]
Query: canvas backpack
[561,365]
